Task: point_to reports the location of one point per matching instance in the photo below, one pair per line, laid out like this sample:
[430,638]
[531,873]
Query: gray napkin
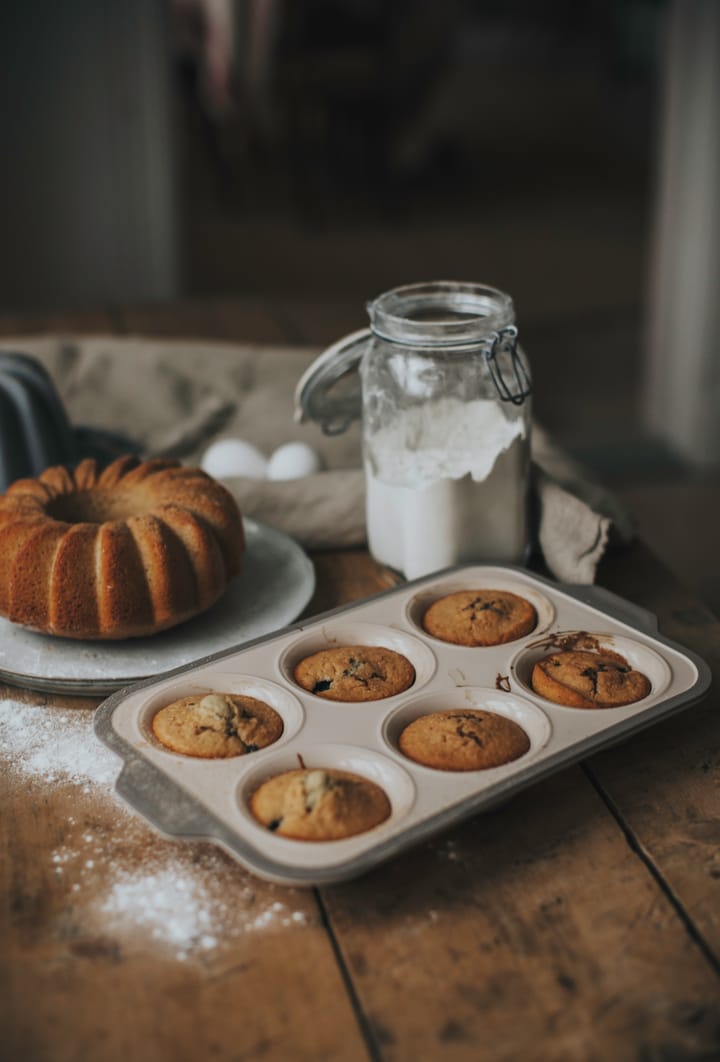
[576,517]
[175,397]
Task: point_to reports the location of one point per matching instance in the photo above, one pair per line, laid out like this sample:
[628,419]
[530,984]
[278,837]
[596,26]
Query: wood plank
[319,322]
[607,906]
[664,783]
[530,932]
[347,575]
[246,320]
[60,322]
[118,944]
[665,513]
[208,960]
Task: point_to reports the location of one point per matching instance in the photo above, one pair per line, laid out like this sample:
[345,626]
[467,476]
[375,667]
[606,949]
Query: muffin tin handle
[163,803]
[174,813]
[618,607]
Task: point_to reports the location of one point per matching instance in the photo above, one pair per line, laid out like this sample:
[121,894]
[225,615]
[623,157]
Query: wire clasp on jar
[519,387]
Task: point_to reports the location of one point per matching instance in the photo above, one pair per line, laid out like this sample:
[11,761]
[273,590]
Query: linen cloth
[173,398]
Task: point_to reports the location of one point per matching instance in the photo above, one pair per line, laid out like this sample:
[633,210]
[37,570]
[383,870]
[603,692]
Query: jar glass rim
[440,313]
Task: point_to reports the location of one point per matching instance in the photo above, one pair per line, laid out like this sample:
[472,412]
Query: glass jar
[446,424]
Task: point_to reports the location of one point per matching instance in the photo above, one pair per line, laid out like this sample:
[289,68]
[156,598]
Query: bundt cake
[126,552]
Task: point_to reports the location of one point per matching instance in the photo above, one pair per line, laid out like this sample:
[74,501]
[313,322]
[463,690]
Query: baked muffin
[319,804]
[480,617]
[583,679]
[355,673]
[217,725]
[463,739]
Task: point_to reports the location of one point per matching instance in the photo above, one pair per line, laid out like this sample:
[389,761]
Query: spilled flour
[122,882]
[185,900]
[191,912]
[55,745]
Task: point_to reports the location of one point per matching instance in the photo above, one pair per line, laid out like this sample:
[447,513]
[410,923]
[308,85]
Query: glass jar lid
[442,314]
[329,392]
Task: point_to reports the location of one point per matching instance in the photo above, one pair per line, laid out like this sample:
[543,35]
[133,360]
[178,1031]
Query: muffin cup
[367,763]
[528,716]
[640,657]
[420,602]
[348,633]
[280,699]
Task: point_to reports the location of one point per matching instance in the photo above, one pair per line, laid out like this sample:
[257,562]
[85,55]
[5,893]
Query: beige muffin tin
[187,797]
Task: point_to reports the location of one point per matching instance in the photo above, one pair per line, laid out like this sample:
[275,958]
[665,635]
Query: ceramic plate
[276,583]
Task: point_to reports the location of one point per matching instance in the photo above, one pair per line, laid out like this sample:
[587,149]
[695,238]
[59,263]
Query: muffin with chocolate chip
[320,804]
[480,617]
[463,739]
[217,725]
[355,673]
[584,679]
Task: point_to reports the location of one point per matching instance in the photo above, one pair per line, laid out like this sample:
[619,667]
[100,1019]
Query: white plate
[276,583]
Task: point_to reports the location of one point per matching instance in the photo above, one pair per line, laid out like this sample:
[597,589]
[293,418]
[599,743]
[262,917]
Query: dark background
[513,141]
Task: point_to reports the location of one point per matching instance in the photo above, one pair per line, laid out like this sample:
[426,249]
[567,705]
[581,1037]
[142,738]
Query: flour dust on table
[190,900]
[53,745]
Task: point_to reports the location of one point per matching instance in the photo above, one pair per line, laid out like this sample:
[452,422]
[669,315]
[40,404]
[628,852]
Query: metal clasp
[505,342]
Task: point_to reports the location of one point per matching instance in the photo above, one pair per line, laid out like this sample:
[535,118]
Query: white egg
[234,457]
[293,460]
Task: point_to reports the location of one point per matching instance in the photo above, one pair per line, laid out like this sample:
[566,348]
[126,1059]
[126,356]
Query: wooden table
[579,921]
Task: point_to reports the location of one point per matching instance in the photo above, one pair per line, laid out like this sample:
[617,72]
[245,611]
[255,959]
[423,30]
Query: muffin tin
[188,797]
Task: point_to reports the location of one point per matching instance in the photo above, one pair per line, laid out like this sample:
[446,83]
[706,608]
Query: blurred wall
[89,196]
[683,370]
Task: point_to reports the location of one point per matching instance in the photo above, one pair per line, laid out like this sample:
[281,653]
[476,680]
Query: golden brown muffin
[463,739]
[582,679]
[119,553]
[217,725]
[355,673]
[319,804]
[480,617]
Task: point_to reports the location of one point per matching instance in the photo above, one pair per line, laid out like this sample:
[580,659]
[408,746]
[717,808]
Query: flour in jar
[447,484]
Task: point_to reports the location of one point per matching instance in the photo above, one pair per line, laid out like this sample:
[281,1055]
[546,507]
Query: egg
[293,460]
[234,457]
